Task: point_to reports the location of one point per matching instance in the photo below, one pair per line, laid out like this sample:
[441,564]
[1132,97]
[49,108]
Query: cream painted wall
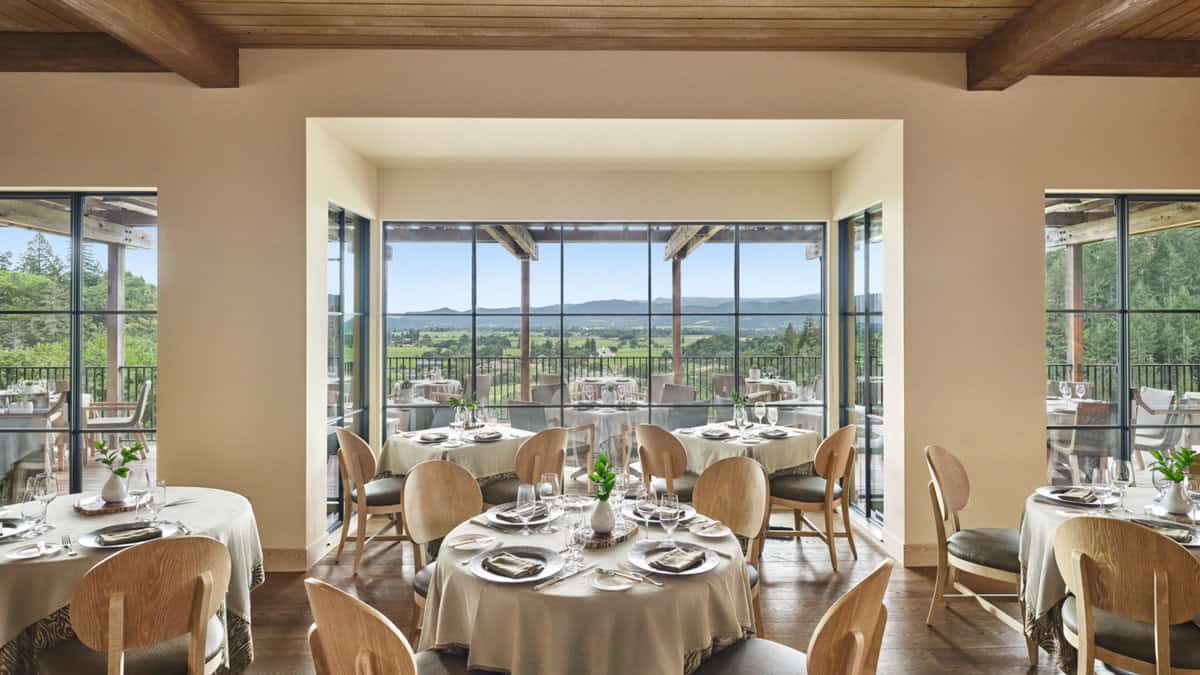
[236,395]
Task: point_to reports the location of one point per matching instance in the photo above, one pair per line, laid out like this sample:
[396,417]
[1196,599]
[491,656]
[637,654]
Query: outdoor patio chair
[677,393]
[525,415]
[131,423]
[483,388]
[657,383]
[687,417]
[1150,434]
[1085,442]
[549,378]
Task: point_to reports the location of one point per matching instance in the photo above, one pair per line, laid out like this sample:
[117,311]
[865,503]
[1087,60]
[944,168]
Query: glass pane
[333,371]
[1081,354]
[334,261]
[28,453]
[1076,454]
[874,436]
[857,370]
[502,374]
[781,268]
[782,358]
[354,362]
[1164,358]
[602,350]
[531,418]
[35,254]
[861,465]
[875,257]
[332,475]
[705,358]
[35,371]
[704,254]
[807,417]
[120,361]
[351,293]
[120,259]
[854,264]
[429,354]
[428,268]
[1081,254]
[604,269]
[498,258]
[1164,255]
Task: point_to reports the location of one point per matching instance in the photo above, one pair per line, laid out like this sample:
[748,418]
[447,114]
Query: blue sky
[141,262]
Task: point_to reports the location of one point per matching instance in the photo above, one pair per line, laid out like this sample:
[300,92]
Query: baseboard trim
[297,559]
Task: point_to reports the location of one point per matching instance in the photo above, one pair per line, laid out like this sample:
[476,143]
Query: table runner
[775,455]
[35,594]
[402,452]
[573,628]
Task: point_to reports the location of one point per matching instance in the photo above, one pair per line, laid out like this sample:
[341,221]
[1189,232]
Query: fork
[68,546]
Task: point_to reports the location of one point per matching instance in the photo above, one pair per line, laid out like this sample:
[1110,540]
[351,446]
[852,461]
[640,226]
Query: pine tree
[39,259]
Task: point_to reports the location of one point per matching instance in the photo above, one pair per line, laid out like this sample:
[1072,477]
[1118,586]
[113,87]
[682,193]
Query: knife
[562,577]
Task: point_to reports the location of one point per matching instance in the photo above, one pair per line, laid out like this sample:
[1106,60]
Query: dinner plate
[1051,492]
[493,517]
[610,582]
[91,539]
[552,563]
[775,434]
[643,551]
[631,511]
[487,439]
[715,436]
[13,527]
[432,438]
[33,550]
[719,531]
[471,542]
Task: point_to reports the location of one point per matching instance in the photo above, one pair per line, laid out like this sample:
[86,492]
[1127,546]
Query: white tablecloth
[573,628]
[775,455]
[402,452]
[609,422]
[15,446]
[36,590]
[426,388]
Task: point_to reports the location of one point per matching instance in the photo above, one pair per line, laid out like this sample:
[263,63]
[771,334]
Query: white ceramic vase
[1176,500]
[115,489]
[603,519]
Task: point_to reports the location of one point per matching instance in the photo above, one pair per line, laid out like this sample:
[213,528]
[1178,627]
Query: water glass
[773,415]
[760,411]
[668,514]
[1193,486]
[1080,389]
[1064,390]
[572,525]
[1120,477]
[32,509]
[526,496]
[548,488]
[45,489]
[158,499]
[617,496]
[1160,486]
[141,483]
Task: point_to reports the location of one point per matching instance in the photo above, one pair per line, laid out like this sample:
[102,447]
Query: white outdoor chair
[131,423]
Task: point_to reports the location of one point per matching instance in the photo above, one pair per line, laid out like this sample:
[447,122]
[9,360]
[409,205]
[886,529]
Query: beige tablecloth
[426,388]
[1042,586]
[609,422]
[35,594]
[775,455]
[573,628]
[402,452]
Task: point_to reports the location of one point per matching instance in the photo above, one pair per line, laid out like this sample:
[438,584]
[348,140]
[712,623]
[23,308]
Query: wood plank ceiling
[1005,39]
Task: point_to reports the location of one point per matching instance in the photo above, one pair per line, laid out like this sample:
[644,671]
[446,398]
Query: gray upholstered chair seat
[501,491]
[1136,638]
[752,575]
[807,489]
[72,656]
[684,485]
[755,657]
[991,547]
[382,492]
[423,578]
[443,663]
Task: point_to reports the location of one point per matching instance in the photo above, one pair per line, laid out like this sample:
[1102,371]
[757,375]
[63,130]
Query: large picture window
[78,334]
[659,321]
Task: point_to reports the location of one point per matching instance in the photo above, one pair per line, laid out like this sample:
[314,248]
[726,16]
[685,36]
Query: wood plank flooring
[798,586]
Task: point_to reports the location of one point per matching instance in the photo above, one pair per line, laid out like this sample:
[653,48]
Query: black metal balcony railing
[1178,377]
[95,382]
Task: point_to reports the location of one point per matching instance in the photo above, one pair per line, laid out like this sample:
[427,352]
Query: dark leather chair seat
[501,491]
[423,578]
[752,575]
[684,486]
[165,658]
[755,657]
[443,663]
[990,547]
[807,489]
[382,492]
[1136,638]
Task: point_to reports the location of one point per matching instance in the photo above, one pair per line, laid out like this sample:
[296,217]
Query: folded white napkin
[518,514]
[677,560]
[511,566]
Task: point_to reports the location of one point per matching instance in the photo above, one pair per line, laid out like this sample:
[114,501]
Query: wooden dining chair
[150,608]
[664,463]
[992,553]
[543,452]
[1133,595]
[824,492]
[846,642]
[734,491]
[438,497]
[349,637]
[366,496]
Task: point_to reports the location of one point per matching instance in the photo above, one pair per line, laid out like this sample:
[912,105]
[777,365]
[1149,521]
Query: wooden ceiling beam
[51,217]
[167,33]
[1166,216]
[1132,58]
[24,52]
[1048,32]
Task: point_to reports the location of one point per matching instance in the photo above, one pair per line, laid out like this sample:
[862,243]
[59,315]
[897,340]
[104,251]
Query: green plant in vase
[1175,466]
[117,460]
[603,519]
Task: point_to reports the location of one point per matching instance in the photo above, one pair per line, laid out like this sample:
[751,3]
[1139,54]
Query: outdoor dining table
[428,387]
[776,455]
[775,385]
[1042,586]
[572,627]
[36,594]
[593,387]
[403,451]
[610,420]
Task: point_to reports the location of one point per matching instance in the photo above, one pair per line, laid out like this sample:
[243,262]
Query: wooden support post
[525,329]
[676,320]
[115,322]
[1074,299]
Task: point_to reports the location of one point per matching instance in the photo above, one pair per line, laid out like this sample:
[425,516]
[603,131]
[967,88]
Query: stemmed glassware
[1193,486]
[1064,390]
[1160,486]
[617,496]
[668,515]
[773,416]
[32,509]
[548,492]
[141,484]
[760,411]
[526,497]
[158,500]
[572,524]
[1080,389]
[41,490]
[1120,477]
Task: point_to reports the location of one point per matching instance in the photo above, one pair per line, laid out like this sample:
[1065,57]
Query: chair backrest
[543,452]
[546,394]
[661,453]
[442,417]
[657,382]
[525,415]
[549,378]
[139,411]
[687,417]
[676,393]
[847,640]
[482,389]
[357,460]
[1157,399]
[1129,570]
[835,454]
[151,593]
[734,491]
[724,385]
[1093,441]
[349,636]
[438,496]
[949,479]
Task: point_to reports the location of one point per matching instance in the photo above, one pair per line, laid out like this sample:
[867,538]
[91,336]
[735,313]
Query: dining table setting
[47,544]
[777,448]
[528,587]
[485,450]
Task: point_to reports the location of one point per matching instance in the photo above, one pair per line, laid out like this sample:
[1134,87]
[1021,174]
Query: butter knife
[562,577]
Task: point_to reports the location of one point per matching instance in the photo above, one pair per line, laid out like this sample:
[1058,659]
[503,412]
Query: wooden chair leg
[361,537]
[939,590]
[798,517]
[756,599]
[846,524]
[829,536]
[345,529]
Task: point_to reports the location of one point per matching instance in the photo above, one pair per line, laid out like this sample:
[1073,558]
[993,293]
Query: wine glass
[668,514]
[32,509]
[548,492]
[1064,390]
[617,495]
[760,411]
[526,497]
[738,413]
[140,485]
[1080,389]
[773,416]
[157,500]
[1120,477]
[572,523]
[45,490]
[1193,487]
[1160,486]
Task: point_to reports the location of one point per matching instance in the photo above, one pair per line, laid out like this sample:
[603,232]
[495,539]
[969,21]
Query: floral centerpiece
[117,460]
[464,411]
[1175,466]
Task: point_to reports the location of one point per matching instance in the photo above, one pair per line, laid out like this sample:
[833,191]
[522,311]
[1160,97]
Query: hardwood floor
[798,587]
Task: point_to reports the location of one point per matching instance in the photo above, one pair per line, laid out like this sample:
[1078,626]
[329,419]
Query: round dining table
[36,594]
[1042,586]
[573,627]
